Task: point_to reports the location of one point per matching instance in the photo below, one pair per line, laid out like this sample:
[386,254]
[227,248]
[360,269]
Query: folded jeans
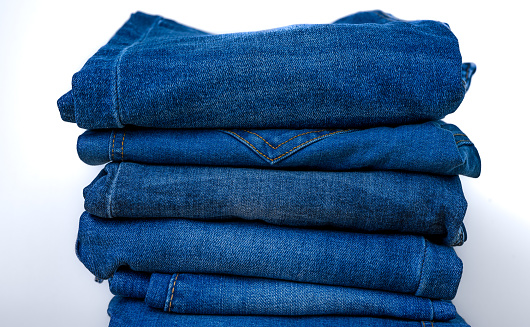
[432,147]
[367,69]
[186,293]
[397,263]
[126,312]
[372,201]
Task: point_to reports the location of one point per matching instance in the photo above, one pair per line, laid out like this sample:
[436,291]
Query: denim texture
[432,147]
[367,69]
[232,295]
[398,263]
[126,312]
[373,201]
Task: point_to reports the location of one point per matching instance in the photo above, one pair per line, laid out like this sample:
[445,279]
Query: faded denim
[397,263]
[367,69]
[370,201]
[126,312]
[233,295]
[432,147]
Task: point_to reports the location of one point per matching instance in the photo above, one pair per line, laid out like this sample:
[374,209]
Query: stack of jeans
[298,176]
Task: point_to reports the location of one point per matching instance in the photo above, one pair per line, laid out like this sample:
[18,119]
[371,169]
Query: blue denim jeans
[126,312]
[232,295]
[390,262]
[432,147]
[367,69]
[370,201]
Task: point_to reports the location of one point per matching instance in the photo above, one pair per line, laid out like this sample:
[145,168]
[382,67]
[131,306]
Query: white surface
[44,43]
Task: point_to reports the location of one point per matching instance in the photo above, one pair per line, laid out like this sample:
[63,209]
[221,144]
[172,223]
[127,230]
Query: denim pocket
[275,145]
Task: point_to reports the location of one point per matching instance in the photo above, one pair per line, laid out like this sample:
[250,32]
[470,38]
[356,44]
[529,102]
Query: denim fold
[127,312]
[370,201]
[367,69]
[433,147]
[186,293]
[390,262]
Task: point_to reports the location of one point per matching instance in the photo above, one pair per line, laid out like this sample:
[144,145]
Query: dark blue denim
[126,312]
[367,69]
[397,263]
[373,201]
[233,295]
[432,147]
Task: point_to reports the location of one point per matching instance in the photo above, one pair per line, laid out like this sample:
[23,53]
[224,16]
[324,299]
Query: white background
[44,43]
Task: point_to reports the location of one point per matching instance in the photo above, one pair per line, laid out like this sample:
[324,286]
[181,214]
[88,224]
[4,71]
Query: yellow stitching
[123,139]
[278,157]
[423,323]
[285,141]
[466,140]
[432,324]
[172,291]
[459,135]
[112,155]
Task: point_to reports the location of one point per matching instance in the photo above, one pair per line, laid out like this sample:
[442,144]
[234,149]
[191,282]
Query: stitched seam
[113,139]
[422,266]
[292,138]
[122,140]
[466,140]
[172,292]
[117,71]
[423,323]
[278,157]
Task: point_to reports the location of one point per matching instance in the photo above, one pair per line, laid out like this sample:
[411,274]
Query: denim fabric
[432,147]
[373,201]
[232,295]
[367,69]
[126,312]
[398,263]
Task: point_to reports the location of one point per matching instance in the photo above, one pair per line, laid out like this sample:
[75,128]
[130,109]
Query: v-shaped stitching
[289,151]
[292,138]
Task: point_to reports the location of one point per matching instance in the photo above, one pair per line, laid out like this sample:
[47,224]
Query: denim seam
[172,292]
[292,138]
[112,187]
[122,151]
[432,309]
[113,139]
[422,265]
[278,157]
[118,61]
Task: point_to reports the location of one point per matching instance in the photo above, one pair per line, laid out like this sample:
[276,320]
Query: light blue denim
[433,147]
[232,295]
[126,312]
[367,69]
[390,262]
[370,201]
